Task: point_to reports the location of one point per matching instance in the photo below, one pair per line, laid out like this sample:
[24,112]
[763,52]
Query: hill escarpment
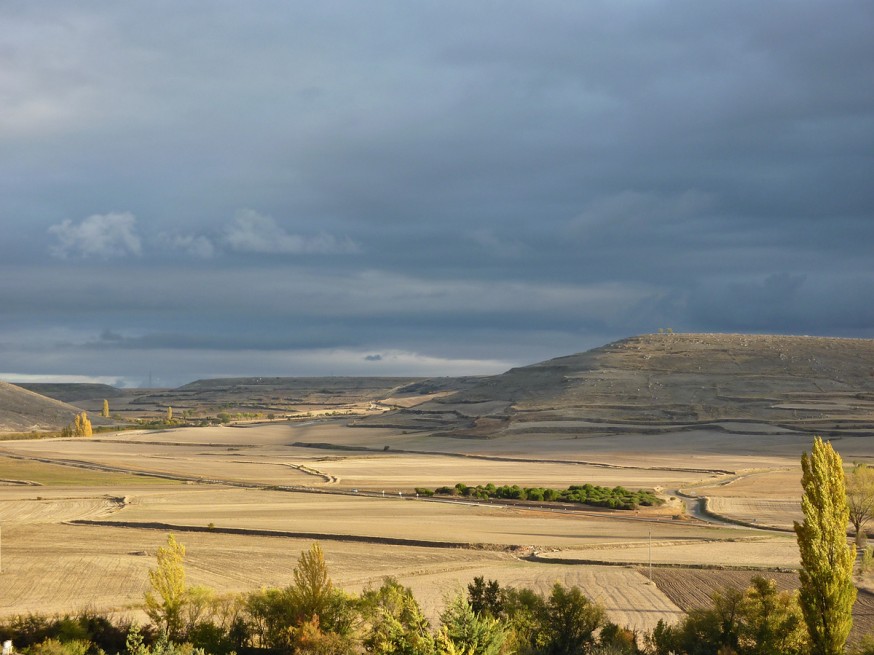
[667,381]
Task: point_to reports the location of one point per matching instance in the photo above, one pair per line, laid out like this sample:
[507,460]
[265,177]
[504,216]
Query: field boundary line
[540,559]
[499,458]
[287,534]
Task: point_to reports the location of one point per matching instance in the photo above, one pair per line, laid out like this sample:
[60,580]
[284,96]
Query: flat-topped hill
[812,383]
[22,410]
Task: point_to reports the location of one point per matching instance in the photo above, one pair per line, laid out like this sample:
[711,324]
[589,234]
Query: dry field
[50,564]
[749,552]
[689,589]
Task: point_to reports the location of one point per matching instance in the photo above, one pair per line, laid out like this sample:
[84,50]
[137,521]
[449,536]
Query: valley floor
[247,500]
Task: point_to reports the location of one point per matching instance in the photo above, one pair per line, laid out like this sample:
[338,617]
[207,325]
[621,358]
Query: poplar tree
[860,498]
[80,427]
[105,412]
[827,592]
[165,602]
[86,426]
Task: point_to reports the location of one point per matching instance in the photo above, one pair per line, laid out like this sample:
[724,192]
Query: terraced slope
[668,380]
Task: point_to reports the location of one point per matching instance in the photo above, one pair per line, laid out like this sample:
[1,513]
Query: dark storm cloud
[454,182]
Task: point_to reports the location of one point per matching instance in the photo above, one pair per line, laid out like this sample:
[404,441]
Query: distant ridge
[22,410]
[71,392]
[808,383]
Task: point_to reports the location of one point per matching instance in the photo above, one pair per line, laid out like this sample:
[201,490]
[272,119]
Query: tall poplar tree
[827,591]
[105,412]
[164,603]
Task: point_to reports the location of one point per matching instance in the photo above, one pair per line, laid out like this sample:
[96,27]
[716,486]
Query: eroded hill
[22,410]
[668,380]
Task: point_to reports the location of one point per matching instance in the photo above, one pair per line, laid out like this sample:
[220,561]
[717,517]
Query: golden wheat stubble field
[53,559]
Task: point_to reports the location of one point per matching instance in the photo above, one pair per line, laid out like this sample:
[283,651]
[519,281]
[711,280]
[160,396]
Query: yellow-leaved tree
[164,604]
[827,591]
[80,427]
[860,498]
[105,412]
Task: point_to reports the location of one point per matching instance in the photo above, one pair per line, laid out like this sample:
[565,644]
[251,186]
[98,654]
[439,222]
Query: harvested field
[689,589]
[757,511]
[56,510]
[624,593]
[396,517]
[772,484]
[41,473]
[51,566]
[409,471]
[752,552]
[74,575]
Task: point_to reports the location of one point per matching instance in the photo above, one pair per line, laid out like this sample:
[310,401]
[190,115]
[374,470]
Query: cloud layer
[457,183]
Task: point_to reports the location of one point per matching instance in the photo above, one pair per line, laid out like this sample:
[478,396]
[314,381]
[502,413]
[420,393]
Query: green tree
[309,607]
[313,594]
[105,412]
[166,600]
[463,632]
[827,591]
[705,630]
[397,624]
[860,499]
[568,622]
[771,622]
[485,597]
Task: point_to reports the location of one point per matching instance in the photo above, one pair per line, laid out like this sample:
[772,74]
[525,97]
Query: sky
[208,189]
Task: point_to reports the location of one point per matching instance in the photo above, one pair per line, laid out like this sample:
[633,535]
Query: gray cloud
[454,180]
[254,233]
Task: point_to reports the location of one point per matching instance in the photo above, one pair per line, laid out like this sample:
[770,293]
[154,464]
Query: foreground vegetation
[584,494]
[312,617]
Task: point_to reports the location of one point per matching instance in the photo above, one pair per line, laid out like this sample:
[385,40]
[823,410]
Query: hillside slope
[25,411]
[810,383]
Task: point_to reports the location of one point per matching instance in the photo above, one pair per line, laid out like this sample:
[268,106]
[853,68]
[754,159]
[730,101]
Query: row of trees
[312,616]
[587,494]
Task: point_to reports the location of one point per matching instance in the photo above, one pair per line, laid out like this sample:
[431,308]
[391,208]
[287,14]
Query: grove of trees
[585,494]
[80,427]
